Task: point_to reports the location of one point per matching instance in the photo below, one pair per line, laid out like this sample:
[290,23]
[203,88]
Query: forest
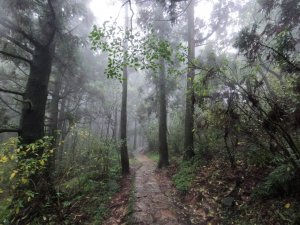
[144,112]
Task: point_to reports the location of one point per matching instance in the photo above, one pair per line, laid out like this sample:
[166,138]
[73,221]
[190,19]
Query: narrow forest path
[152,206]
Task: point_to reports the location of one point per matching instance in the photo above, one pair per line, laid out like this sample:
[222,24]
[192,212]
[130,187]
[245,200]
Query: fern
[276,182]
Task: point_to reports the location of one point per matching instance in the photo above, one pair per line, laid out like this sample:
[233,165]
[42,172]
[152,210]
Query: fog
[88,89]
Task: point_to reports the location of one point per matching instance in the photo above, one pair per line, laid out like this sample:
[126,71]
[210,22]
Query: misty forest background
[214,102]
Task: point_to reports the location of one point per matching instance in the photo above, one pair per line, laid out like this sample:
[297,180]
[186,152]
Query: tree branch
[198,42]
[297,68]
[263,65]
[8,106]
[52,23]
[10,25]
[178,14]
[11,92]
[132,13]
[10,55]
[19,44]
[9,130]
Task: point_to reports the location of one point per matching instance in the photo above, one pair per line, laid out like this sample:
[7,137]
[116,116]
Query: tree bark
[135,136]
[162,133]
[189,108]
[35,96]
[123,124]
[54,111]
[115,127]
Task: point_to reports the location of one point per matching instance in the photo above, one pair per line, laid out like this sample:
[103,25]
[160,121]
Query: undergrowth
[153,155]
[91,185]
[185,176]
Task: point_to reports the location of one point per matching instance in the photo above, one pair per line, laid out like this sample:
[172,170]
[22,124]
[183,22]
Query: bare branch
[268,69]
[10,55]
[11,92]
[132,13]
[10,25]
[297,68]
[198,42]
[9,130]
[52,23]
[9,106]
[178,14]
[17,43]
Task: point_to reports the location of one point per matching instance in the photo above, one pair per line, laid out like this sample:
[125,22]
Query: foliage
[175,128]
[21,163]
[150,131]
[183,179]
[153,155]
[134,50]
[90,176]
[277,182]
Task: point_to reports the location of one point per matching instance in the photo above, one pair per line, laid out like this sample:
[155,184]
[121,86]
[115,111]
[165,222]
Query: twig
[8,106]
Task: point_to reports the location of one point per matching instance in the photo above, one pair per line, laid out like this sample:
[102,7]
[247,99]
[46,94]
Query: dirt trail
[152,206]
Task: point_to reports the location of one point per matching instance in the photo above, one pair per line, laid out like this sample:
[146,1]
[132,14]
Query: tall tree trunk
[102,127]
[135,136]
[162,133]
[115,127]
[35,98]
[62,126]
[123,124]
[32,129]
[54,112]
[108,126]
[189,108]
[162,123]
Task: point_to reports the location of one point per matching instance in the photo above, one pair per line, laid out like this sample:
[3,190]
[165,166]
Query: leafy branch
[141,52]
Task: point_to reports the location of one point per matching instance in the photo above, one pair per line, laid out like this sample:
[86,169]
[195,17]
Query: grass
[153,155]
[88,195]
[184,177]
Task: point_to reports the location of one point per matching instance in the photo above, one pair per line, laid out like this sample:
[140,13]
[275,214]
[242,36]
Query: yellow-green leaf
[3,159]
[287,205]
[14,173]
[24,180]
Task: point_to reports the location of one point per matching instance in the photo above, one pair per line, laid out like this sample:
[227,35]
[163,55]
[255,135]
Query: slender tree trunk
[189,110]
[102,127]
[162,133]
[62,126]
[123,124]
[162,130]
[54,112]
[135,136]
[114,134]
[108,126]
